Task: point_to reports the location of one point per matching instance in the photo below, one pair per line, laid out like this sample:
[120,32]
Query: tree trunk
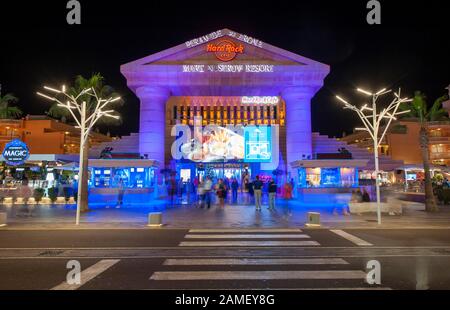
[430,201]
[84,185]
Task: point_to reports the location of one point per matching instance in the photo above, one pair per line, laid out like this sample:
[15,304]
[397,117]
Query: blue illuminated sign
[258,144]
[15,153]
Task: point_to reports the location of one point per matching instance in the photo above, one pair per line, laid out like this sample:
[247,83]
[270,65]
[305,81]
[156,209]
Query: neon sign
[228,68]
[217,34]
[260,100]
[225,50]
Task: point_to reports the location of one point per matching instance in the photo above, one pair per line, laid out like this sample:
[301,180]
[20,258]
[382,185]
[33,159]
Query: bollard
[155,219]
[313,219]
[2,219]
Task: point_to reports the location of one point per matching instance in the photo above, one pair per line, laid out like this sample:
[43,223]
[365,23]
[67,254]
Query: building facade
[229,79]
[402,142]
[44,135]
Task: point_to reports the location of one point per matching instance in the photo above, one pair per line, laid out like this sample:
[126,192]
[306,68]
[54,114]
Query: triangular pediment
[196,51]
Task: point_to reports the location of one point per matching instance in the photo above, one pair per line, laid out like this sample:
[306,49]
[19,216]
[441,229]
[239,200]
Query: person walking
[121,193]
[234,190]
[221,191]
[188,190]
[207,191]
[272,194]
[257,190]
[365,196]
[172,189]
[201,194]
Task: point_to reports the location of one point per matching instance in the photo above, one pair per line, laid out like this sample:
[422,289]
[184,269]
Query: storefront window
[330,177]
[313,177]
[327,177]
[132,177]
[348,177]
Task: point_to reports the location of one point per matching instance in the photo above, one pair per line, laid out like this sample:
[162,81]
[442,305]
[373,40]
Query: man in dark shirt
[234,190]
[272,194]
[257,189]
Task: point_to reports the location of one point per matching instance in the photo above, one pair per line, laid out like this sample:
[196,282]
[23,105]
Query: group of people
[358,196]
[201,192]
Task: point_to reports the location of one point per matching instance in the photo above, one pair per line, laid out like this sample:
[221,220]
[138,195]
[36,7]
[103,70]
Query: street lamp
[84,118]
[372,120]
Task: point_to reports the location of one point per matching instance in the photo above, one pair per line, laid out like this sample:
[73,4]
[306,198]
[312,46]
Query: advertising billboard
[216,144]
[258,144]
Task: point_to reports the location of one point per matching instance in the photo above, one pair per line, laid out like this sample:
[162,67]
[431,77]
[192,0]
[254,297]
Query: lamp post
[373,121]
[85,119]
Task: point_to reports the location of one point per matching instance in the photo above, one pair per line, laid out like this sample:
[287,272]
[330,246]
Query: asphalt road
[225,259]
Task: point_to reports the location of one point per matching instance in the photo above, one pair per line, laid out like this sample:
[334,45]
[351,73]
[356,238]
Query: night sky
[410,49]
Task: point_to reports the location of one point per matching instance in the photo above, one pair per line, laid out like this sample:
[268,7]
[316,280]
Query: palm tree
[96,81]
[419,110]
[6,110]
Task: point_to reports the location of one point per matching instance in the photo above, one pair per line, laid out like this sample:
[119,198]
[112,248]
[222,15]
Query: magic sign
[15,153]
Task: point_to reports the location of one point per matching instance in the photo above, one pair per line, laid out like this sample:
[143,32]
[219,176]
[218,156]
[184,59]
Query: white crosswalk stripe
[88,274]
[259,243]
[253,261]
[259,275]
[247,236]
[246,230]
[240,238]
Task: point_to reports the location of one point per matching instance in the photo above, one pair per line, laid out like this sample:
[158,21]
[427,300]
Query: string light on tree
[376,122]
[84,119]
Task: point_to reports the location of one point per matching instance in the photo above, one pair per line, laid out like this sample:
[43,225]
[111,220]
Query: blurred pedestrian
[272,194]
[201,194]
[121,193]
[234,190]
[257,189]
[221,190]
[207,191]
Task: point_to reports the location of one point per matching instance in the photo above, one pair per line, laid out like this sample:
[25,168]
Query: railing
[439,139]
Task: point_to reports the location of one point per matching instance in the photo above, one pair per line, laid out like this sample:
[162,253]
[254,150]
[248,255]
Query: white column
[298,123]
[152,122]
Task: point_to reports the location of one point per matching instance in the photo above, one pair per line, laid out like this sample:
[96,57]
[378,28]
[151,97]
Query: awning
[330,163]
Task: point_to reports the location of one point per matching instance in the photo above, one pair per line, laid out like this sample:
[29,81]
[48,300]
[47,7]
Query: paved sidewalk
[287,214]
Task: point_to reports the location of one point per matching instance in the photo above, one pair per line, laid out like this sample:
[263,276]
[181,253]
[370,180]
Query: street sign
[15,153]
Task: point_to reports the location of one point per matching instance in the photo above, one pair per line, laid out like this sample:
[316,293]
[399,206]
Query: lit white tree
[376,122]
[84,119]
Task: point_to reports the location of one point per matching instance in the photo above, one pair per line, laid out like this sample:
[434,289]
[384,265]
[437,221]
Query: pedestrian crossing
[239,238]
[240,272]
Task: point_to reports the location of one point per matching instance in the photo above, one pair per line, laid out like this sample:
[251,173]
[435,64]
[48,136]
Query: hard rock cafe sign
[225,50]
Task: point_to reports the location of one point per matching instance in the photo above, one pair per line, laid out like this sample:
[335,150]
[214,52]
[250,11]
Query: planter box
[392,207]
[3,218]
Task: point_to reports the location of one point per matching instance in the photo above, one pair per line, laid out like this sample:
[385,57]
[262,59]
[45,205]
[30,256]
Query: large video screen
[216,144]
[258,144]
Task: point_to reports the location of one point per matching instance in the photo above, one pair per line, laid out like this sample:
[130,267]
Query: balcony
[439,155]
[439,139]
